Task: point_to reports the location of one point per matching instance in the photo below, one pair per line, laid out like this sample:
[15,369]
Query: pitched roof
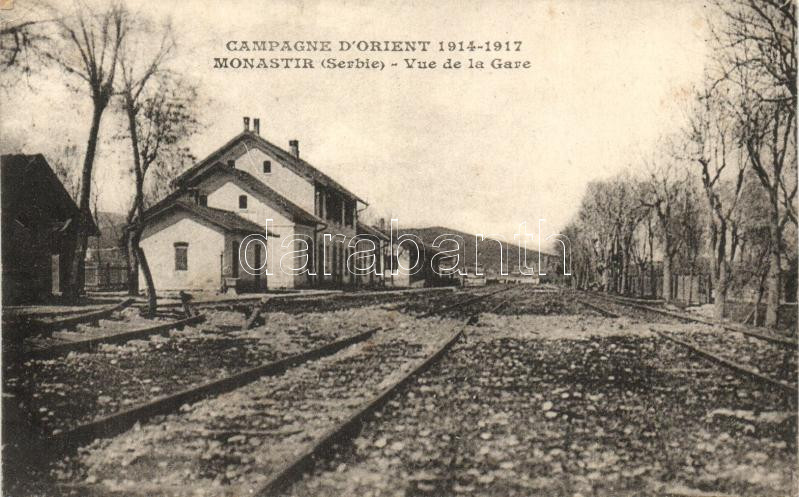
[370,230]
[260,188]
[29,181]
[288,159]
[224,219]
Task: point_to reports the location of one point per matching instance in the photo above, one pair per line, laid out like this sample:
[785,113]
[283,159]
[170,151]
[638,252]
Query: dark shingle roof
[371,230]
[273,198]
[29,182]
[297,164]
[224,219]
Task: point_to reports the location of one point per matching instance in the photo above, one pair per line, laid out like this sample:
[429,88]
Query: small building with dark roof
[39,233]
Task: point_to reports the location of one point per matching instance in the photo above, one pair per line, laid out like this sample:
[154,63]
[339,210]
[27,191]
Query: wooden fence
[106,276]
[689,289]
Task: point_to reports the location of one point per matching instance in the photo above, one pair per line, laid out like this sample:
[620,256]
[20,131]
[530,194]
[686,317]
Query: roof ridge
[200,210]
[270,193]
[289,159]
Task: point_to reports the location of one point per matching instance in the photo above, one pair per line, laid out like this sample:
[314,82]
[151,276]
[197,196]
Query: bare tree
[159,111]
[756,55]
[643,254]
[691,221]
[722,172]
[664,192]
[66,165]
[174,160]
[607,223]
[87,48]
[22,39]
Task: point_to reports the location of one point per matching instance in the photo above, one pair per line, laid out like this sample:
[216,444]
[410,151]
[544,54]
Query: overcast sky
[479,151]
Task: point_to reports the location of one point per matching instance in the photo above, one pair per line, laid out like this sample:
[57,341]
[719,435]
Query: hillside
[488,252]
[111,225]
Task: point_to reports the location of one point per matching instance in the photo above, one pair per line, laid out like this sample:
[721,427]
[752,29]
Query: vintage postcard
[372,248]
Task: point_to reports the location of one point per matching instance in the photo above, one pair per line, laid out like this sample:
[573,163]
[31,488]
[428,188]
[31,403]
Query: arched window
[181,256]
[242,201]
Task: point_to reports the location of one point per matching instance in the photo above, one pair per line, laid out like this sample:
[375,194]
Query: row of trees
[722,188]
[123,61]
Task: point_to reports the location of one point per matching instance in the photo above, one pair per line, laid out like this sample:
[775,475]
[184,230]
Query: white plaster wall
[402,278]
[282,179]
[225,195]
[304,280]
[204,249]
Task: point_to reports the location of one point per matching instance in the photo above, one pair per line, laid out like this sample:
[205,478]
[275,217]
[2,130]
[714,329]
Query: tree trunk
[152,302]
[773,280]
[133,267]
[720,300]
[624,276]
[667,275]
[136,213]
[760,291]
[77,270]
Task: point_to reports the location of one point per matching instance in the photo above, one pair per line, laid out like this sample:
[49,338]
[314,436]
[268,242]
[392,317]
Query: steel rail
[463,302]
[596,308]
[48,327]
[294,469]
[293,296]
[740,369]
[781,341]
[119,422]
[90,344]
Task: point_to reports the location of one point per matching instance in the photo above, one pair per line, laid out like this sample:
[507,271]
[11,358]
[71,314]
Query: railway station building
[193,237]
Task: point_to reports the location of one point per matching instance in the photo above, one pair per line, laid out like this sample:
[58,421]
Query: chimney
[295,148]
[246,124]
[256,126]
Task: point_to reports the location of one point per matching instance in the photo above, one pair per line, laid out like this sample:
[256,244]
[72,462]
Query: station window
[181,256]
[267,166]
[203,200]
[235,252]
[231,164]
[242,201]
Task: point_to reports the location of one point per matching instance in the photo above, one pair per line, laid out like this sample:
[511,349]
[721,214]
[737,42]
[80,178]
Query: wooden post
[184,299]
[257,310]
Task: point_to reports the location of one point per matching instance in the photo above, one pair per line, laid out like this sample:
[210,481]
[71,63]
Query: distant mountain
[488,251]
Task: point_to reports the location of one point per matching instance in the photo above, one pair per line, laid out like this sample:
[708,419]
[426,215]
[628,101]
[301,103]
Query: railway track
[33,324]
[151,363]
[391,353]
[786,342]
[93,342]
[599,309]
[786,387]
[104,376]
[397,410]
[761,352]
[300,302]
[513,412]
[343,433]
